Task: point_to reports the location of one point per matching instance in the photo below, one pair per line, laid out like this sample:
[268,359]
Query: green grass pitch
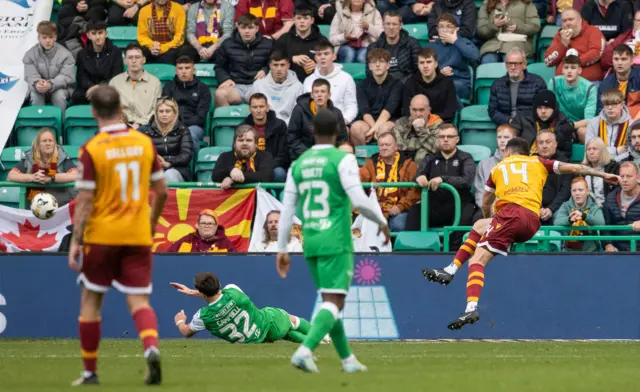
[209,365]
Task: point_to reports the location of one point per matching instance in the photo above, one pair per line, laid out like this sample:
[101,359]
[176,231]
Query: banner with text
[18,21]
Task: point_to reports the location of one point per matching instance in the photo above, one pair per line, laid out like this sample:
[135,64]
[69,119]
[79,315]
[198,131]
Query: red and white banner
[21,231]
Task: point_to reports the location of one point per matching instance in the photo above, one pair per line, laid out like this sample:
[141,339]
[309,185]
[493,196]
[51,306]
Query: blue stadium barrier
[558,296]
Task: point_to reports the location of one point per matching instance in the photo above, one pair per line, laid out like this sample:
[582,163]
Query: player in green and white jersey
[326,182]
[231,315]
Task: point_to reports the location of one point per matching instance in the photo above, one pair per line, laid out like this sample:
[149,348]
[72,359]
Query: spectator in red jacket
[208,237]
[628,38]
[275,16]
[587,41]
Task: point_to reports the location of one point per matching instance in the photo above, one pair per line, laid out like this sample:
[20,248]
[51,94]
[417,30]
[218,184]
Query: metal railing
[546,239]
[424,205]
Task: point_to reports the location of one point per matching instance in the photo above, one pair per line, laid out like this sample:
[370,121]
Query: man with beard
[633,145]
[270,241]
[245,164]
[208,237]
[557,188]
[545,115]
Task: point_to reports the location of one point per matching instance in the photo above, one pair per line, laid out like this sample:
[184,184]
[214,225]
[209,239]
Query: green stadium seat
[121,36]
[164,72]
[417,241]
[207,158]
[535,245]
[486,74]
[478,3]
[577,152]
[477,152]
[79,125]
[72,151]
[546,37]
[542,70]
[364,152]
[9,159]
[225,120]
[10,196]
[207,74]
[324,29]
[31,119]
[419,31]
[476,127]
[357,70]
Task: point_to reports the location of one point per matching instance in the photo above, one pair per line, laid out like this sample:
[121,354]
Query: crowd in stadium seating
[273,56]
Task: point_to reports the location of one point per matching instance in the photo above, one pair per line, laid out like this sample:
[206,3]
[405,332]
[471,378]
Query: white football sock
[451,268]
[349,359]
[303,351]
[471,306]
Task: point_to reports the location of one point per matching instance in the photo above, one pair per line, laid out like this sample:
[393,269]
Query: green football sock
[322,323]
[303,326]
[340,341]
[295,336]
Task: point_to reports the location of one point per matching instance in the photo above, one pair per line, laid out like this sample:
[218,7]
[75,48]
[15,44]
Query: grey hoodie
[612,130]
[55,65]
[482,174]
[282,96]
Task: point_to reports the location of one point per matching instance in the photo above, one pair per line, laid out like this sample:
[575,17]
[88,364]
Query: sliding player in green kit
[326,182]
[231,316]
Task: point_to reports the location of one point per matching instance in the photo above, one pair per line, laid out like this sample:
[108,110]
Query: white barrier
[18,21]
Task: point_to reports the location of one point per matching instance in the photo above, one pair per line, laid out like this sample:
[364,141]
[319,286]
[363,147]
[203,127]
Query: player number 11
[123,170]
[514,170]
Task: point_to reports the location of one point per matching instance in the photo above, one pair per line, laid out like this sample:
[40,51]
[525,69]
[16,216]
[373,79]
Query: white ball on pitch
[44,206]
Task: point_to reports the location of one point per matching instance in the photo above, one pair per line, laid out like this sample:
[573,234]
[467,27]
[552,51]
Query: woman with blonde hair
[357,24]
[172,140]
[46,163]
[597,156]
[504,24]
[580,210]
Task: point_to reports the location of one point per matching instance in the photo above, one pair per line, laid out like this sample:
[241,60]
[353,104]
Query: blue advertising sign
[560,296]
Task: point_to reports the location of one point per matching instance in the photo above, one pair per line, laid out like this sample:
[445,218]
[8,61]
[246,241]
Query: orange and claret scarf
[387,197]
[577,233]
[160,29]
[621,140]
[534,145]
[50,170]
[246,164]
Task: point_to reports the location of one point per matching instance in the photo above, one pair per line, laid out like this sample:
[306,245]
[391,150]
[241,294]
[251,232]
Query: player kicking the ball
[231,315]
[113,229]
[517,181]
[326,179]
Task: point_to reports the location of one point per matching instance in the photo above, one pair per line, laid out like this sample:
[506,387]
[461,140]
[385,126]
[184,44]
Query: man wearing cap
[545,115]
[208,237]
[97,63]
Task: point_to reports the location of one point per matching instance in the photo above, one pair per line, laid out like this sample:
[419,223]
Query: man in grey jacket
[49,69]
[504,133]
[281,86]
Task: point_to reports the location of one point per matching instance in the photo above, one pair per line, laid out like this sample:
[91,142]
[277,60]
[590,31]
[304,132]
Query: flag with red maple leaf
[21,231]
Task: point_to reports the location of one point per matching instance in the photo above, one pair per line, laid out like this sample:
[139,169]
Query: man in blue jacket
[622,206]
[514,92]
[455,54]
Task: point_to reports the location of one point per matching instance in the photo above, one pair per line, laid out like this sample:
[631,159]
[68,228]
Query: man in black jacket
[456,168]
[193,98]
[622,207]
[245,164]
[402,47]
[557,188]
[272,134]
[299,43]
[617,19]
[514,92]
[97,63]
[545,115]
[242,59]
[464,11]
[379,98]
[428,81]
[323,10]
[300,126]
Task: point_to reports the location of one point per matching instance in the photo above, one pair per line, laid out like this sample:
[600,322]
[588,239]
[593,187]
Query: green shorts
[279,324]
[332,274]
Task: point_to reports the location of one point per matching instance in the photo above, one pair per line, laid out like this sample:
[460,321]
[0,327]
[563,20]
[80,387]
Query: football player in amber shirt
[517,181]
[113,229]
